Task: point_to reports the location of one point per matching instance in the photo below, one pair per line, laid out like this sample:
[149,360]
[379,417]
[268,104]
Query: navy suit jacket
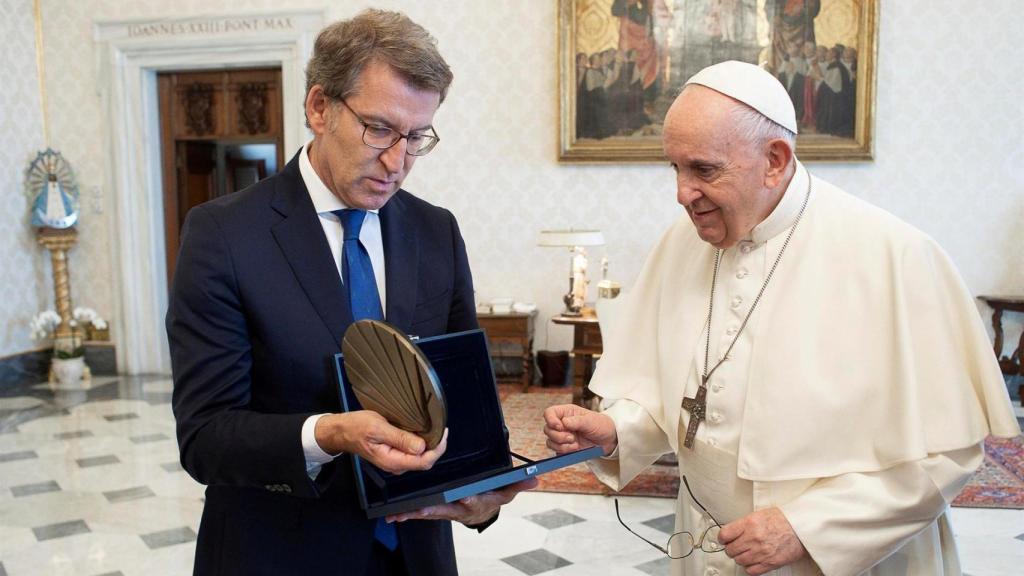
[257,311]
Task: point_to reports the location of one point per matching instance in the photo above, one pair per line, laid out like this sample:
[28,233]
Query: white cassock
[856,399]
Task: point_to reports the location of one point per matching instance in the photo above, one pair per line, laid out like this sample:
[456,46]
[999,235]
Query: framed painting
[623,62]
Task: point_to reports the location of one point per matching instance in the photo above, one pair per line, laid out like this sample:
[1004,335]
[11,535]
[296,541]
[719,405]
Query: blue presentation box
[478,457]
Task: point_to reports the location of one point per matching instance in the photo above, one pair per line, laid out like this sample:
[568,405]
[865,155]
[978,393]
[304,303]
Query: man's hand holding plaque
[369,435]
[391,377]
[402,424]
[400,393]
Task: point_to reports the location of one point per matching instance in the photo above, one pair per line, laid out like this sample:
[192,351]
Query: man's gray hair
[758,129]
[343,50]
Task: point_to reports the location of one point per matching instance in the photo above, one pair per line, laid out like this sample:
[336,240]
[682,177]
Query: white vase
[68,371]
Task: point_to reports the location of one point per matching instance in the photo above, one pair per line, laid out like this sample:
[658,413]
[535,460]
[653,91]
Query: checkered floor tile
[83,472]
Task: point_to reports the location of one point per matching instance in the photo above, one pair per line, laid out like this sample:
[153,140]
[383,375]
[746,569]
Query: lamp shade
[563,238]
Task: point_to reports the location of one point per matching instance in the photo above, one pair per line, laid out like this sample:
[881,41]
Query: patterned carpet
[999,483]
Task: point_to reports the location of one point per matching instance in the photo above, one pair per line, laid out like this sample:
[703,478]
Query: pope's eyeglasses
[682,544]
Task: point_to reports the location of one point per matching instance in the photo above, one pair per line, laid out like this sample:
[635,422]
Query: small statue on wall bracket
[50,185]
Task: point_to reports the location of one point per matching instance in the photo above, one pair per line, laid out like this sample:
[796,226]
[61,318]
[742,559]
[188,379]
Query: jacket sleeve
[851,522]
[221,440]
[462,315]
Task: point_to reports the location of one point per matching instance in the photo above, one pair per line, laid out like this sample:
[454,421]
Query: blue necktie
[357,270]
[364,299]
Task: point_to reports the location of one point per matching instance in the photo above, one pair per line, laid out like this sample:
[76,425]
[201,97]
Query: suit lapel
[401,253]
[301,238]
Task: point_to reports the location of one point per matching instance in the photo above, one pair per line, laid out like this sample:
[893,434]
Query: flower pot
[68,371]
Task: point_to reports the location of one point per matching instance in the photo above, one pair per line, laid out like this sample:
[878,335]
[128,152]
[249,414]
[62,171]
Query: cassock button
[715,417]
[716,387]
[732,330]
[712,572]
[737,301]
[741,273]
[746,248]
[712,442]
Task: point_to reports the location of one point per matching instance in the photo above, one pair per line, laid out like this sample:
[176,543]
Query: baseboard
[31,366]
[34,365]
[101,357]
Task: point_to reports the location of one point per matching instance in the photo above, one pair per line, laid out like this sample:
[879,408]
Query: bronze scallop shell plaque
[392,377]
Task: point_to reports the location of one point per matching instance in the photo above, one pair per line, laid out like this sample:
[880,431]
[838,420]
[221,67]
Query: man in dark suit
[267,281]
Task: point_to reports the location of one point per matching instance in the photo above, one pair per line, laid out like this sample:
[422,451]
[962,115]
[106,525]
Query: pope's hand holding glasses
[682,544]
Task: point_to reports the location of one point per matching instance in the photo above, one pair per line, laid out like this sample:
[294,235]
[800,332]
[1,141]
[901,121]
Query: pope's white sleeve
[851,522]
[641,442]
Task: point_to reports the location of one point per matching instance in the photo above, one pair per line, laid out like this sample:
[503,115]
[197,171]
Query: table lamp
[575,241]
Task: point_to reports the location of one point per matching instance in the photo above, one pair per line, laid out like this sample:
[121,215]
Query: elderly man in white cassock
[817,365]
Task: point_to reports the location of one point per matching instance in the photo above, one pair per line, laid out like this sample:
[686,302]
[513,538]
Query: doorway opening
[221,131]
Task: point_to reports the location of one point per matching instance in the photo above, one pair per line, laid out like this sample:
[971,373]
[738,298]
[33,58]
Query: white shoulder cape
[868,349]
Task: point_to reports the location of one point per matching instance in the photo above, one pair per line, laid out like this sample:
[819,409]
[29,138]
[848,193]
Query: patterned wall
[23,268]
[950,144]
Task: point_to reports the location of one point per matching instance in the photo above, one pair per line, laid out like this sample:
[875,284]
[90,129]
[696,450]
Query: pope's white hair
[758,129]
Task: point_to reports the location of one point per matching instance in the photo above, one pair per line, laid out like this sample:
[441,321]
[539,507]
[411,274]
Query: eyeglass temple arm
[697,502]
[658,546]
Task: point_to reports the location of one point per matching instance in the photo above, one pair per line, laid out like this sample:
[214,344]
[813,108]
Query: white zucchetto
[751,85]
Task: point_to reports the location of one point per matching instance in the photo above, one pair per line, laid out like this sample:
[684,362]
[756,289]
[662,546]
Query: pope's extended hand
[369,435]
[762,541]
[470,510]
[570,428]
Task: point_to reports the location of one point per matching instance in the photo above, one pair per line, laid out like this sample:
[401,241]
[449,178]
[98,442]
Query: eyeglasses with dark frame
[383,137]
[682,544]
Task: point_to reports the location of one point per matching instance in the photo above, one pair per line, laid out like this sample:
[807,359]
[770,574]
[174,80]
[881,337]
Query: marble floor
[90,485]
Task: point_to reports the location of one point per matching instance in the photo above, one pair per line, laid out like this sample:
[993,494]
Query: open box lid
[477,459]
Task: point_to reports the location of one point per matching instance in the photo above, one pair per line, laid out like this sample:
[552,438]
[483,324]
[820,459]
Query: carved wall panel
[234,104]
[197,98]
[252,107]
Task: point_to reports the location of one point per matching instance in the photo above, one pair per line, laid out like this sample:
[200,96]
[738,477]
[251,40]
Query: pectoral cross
[697,407]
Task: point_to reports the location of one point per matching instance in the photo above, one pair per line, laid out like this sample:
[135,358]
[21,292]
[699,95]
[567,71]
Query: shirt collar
[324,200]
[785,213]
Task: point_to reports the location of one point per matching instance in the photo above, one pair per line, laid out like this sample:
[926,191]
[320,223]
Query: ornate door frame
[129,55]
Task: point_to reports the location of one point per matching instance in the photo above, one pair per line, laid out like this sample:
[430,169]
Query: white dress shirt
[325,203]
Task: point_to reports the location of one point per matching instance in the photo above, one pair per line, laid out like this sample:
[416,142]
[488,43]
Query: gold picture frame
[640,52]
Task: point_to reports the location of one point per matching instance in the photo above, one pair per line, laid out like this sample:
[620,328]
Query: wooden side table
[586,345]
[1014,364]
[511,336]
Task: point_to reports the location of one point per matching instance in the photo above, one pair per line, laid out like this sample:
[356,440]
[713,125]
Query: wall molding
[34,365]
